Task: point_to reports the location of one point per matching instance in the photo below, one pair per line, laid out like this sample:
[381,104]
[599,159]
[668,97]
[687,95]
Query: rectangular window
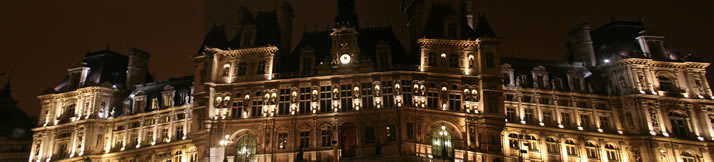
[241,69]
[432,100]
[407,93]
[388,92]
[545,101]
[284,102]
[367,98]
[583,104]
[390,131]
[180,116]
[164,119]
[257,109]
[179,132]
[585,120]
[511,114]
[432,59]
[548,117]
[325,99]
[454,102]
[565,119]
[326,138]
[369,135]
[410,130]
[154,103]
[149,122]
[164,134]
[237,110]
[563,102]
[346,97]
[453,60]
[168,100]
[604,122]
[305,139]
[305,96]
[261,67]
[148,137]
[530,115]
[282,141]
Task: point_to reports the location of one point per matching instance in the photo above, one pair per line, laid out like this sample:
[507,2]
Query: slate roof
[105,66]
[555,69]
[617,39]
[154,89]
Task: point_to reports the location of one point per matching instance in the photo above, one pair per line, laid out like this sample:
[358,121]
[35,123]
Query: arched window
[261,67]
[226,69]
[687,157]
[513,141]
[531,142]
[442,143]
[665,83]
[611,152]
[246,148]
[679,124]
[570,147]
[552,145]
[592,151]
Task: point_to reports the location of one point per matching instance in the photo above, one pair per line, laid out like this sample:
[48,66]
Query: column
[693,118]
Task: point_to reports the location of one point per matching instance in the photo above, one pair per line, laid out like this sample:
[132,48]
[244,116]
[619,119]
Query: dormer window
[154,103]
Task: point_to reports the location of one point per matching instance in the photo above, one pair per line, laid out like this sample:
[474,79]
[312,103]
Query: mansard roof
[555,69]
[155,89]
[267,32]
[618,39]
[105,66]
[434,27]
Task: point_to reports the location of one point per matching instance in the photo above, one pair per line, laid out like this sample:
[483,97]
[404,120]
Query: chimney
[138,68]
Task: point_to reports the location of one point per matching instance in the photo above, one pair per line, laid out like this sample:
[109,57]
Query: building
[15,128]
[355,94]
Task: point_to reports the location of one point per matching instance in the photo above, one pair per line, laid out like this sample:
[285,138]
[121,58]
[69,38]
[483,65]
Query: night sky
[40,40]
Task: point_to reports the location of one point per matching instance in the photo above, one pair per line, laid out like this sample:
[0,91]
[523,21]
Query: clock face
[345,59]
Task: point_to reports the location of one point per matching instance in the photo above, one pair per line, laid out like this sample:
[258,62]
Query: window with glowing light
[246,148]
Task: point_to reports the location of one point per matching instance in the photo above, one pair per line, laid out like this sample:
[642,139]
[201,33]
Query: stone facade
[353,94]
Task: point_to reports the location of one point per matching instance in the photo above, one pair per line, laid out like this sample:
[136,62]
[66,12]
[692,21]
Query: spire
[346,14]
[483,29]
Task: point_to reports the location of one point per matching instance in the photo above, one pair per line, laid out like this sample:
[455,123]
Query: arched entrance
[348,139]
[442,145]
[246,148]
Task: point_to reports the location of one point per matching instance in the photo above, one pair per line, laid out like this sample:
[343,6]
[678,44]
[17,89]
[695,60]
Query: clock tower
[345,49]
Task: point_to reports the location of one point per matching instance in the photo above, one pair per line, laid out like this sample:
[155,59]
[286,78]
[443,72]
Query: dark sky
[40,40]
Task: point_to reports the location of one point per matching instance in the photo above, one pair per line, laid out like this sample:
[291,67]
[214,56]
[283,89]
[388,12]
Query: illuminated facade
[352,94]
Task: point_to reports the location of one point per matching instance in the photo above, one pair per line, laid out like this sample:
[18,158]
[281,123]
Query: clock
[345,59]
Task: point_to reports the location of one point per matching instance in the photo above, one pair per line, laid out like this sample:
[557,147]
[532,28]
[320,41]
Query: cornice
[246,51]
[447,42]
[77,92]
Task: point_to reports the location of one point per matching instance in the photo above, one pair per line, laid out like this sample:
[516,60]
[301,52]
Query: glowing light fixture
[606,60]
[345,59]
